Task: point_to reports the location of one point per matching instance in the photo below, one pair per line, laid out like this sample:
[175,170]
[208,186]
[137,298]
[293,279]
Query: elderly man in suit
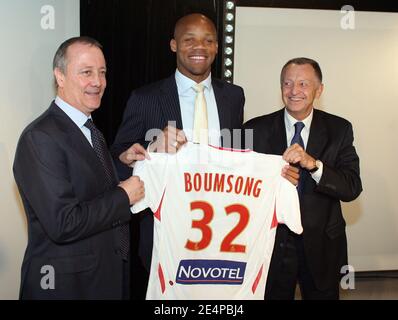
[321,144]
[77,211]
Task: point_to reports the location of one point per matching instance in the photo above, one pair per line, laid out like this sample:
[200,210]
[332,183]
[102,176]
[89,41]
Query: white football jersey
[215,217]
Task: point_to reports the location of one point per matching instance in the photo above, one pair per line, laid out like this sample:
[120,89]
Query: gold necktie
[200,126]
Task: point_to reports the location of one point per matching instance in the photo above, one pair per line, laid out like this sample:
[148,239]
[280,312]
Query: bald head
[193,19]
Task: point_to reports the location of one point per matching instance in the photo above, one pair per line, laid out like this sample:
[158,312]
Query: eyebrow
[298,80]
[190,33]
[92,67]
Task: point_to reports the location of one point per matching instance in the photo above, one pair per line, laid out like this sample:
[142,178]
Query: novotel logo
[210,272]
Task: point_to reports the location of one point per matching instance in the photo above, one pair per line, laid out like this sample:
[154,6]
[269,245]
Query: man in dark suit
[321,145]
[163,112]
[168,104]
[77,211]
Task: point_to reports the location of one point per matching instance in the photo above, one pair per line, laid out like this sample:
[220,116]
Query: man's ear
[173,45]
[59,77]
[319,91]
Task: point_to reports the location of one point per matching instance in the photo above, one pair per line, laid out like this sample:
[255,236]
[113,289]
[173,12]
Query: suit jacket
[331,141]
[152,107]
[73,216]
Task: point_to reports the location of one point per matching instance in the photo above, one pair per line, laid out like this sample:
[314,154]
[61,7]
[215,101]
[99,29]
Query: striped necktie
[101,150]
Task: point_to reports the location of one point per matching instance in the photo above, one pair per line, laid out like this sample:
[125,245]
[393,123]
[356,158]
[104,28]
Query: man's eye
[86,72]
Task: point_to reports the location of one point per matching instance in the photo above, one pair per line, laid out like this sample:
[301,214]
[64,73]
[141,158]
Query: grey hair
[301,61]
[60,60]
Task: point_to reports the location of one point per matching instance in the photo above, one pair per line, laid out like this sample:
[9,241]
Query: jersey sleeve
[288,206]
[154,175]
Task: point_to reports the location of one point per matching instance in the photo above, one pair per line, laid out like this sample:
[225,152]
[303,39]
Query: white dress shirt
[187,95]
[78,117]
[305,133]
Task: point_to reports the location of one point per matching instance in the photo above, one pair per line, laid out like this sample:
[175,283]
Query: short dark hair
[60,57]
[301,61]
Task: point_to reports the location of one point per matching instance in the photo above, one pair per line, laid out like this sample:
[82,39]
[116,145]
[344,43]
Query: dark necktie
[101,150]
[299,126]
[299,140]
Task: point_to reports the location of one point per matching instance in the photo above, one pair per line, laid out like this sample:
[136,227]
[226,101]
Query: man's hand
[170,141]
[295,154]
[291,173]
[134,153]
[134,188]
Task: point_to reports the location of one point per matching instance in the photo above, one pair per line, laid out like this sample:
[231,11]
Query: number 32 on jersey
[204,225]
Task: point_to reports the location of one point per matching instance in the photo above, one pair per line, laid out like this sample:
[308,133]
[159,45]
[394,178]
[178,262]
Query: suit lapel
[169,101]
[77,141]
[318,137]
[222,101]
[278,138]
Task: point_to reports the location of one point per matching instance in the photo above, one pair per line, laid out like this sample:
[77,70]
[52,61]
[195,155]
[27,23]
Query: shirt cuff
[317,175]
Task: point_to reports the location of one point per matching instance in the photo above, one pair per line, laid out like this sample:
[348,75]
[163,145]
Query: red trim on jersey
[157,212]
[255,283]
[230,149]
[161,278]
[274,220]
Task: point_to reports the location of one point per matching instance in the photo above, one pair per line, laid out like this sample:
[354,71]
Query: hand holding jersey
[169,141]
[135,153]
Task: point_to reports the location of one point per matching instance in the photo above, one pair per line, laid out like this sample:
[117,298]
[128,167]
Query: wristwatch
[316,166]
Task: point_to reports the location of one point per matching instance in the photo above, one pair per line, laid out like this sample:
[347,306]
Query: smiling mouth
[94,93]
[198,58]
[295,99]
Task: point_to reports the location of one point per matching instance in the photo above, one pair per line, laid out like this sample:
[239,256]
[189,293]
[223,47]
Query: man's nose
[96,80]
[295,88]
[199,44]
